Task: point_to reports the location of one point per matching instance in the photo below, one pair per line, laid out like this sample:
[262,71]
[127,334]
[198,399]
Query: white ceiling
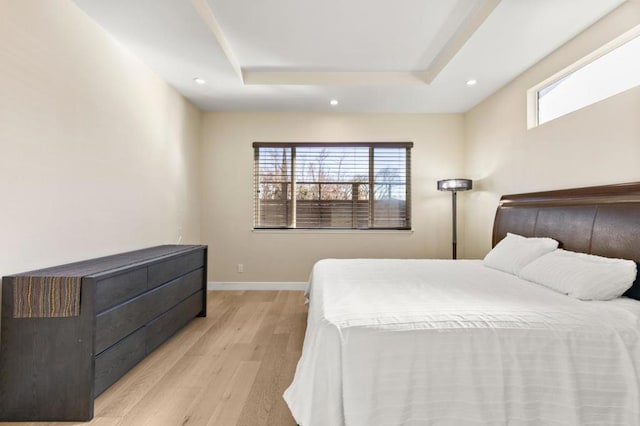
[372,55]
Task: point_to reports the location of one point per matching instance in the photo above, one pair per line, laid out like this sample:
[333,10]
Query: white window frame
[532,93]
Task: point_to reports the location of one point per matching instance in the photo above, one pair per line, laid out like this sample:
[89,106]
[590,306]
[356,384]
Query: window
[332,185]
[605,73]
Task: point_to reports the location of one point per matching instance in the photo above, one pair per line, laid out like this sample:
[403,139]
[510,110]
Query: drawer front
[166,325]
[117,289]
[118,322]
[170,269]
[172,293]
[116,361]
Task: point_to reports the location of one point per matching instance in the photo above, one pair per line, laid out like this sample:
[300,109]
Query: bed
[443,342]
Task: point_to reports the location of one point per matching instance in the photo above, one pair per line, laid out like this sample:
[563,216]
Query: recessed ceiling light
[199,80]
[334,102]
[472,82]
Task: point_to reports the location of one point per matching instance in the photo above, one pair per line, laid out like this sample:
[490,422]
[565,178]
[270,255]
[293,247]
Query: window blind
[332,185]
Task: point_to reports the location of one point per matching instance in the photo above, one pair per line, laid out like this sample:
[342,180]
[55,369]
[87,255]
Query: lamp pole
[455,185]
[455,221]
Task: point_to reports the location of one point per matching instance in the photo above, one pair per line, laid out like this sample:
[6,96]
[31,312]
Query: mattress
[440,342]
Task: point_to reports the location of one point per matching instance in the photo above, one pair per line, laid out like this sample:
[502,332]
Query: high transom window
[610,70]
[332,185]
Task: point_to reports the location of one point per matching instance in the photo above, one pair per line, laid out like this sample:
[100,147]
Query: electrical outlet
[240,268]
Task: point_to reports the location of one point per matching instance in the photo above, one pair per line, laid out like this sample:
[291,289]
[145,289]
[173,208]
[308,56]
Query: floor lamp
[454,185]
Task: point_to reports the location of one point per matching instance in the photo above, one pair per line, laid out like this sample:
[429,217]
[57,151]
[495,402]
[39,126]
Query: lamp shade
[455,184]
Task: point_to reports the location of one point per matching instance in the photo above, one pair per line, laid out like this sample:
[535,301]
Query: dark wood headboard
[600,220]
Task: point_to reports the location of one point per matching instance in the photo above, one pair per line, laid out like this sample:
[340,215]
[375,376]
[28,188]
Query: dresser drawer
[118,322]
[170,269]
[169,323]
[114,290]
[176,291]
[117,360]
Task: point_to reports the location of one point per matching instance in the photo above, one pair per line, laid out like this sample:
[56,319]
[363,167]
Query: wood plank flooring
[228,369]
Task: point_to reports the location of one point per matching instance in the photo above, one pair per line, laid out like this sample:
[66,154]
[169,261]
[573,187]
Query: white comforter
[437,342]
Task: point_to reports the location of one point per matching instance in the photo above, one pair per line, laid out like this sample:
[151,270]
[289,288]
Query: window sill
[332,231]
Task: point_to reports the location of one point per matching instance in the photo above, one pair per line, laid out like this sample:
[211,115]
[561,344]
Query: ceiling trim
[331,78]
[457,37]
[206,14]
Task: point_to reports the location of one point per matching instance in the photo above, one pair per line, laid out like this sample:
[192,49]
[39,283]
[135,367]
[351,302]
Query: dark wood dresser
[70,332]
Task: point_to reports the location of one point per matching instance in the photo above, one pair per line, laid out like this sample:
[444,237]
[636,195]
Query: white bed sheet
[438,342]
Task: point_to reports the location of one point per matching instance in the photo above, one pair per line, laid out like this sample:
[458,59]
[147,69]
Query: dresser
[71,331]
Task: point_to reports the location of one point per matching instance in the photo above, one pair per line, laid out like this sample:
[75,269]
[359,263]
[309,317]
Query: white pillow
[580,275]
[514,252]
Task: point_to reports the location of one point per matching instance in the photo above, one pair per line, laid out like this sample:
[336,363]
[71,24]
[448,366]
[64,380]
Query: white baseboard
[256,285]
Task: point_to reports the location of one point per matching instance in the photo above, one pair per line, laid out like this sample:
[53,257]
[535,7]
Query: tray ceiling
[370,55]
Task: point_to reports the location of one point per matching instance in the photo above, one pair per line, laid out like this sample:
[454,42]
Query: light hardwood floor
[228,369]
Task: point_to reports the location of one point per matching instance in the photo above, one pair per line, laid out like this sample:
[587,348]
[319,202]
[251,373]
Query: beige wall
[97,153]
[227,191]
[599,144]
